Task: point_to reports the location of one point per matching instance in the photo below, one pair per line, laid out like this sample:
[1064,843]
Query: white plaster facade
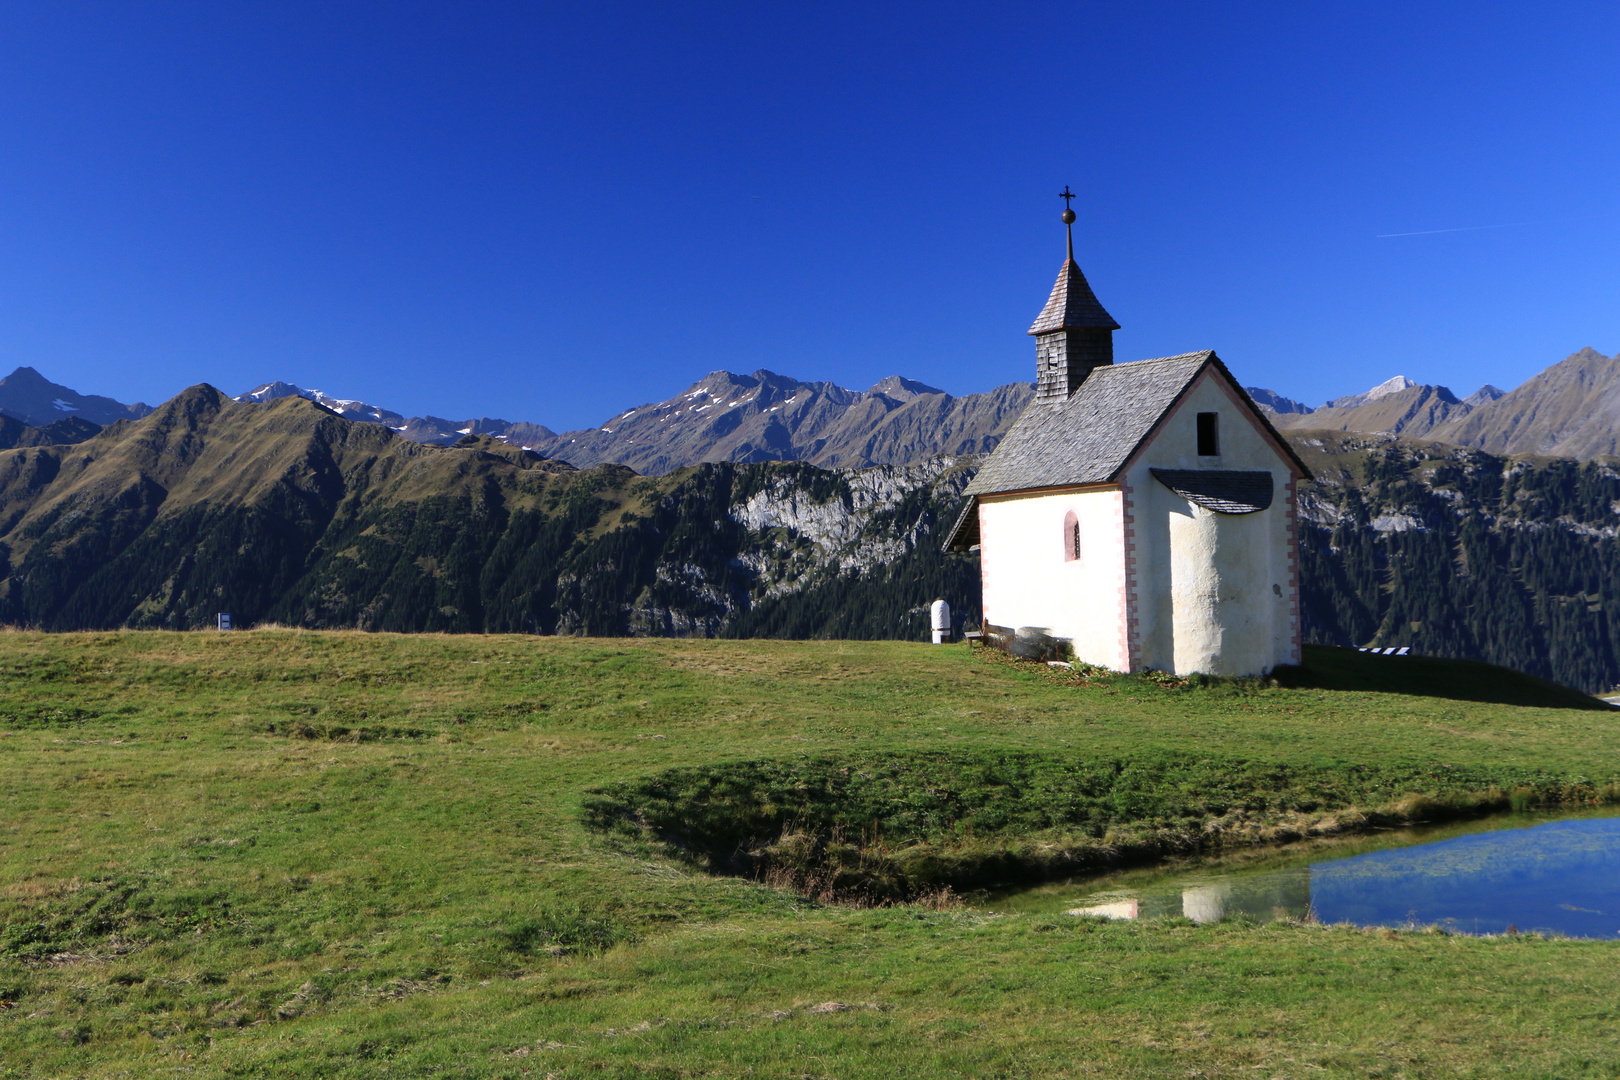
[1161,582]
[1029,582]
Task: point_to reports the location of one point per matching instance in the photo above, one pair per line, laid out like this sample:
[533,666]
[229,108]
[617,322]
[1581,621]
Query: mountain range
[1571,409]
[429,430]
[1396,407]
[1278,405]
[741,418]
[770,417]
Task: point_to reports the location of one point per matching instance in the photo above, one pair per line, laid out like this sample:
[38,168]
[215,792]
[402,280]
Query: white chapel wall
[1215,592]
[1028,582]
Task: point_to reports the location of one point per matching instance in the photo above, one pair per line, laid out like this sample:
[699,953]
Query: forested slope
[285,512]
[1456,552]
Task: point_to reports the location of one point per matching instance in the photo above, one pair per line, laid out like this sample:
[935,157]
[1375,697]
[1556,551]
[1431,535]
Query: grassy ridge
[901,826]
[361,855]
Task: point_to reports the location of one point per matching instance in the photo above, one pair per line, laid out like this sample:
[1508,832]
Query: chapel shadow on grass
[1330,667]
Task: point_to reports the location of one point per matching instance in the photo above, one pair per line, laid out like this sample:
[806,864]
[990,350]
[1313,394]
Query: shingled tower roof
[1072,304]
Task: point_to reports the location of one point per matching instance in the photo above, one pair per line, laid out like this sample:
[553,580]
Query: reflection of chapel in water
[1286,894]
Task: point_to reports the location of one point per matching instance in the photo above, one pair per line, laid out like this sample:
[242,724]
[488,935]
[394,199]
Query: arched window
[1071,537]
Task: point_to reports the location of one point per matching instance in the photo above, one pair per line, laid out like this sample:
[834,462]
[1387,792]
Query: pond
[1528,872]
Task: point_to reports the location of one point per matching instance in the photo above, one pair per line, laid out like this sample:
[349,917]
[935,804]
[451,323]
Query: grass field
[300,854]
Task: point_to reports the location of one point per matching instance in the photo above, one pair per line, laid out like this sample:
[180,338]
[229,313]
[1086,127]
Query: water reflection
[1281,894]
[1559,876]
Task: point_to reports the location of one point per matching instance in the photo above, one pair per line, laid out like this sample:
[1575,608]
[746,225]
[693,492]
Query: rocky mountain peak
[1398,406]
[272,391]
[27,377]
[1389,386]
[900,388]
[1273,402]
[28,396]
[761,389]
[1483,396]
[348,408]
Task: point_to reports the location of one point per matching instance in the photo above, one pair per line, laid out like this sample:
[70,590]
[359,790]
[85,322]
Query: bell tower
[1073,334]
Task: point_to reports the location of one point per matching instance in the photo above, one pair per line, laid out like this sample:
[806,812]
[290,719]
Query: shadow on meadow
[1328,667]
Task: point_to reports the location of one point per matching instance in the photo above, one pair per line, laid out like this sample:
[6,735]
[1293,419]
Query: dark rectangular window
[1209,434]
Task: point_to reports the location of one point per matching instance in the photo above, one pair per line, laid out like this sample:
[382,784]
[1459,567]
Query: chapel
[1144,512]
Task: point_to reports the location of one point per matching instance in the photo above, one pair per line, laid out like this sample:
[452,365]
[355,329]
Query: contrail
[1465,228]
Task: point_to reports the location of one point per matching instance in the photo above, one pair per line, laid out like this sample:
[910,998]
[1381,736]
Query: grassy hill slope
[340,854]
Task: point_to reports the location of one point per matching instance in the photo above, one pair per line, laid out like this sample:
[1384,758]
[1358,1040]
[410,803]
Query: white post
[940,613]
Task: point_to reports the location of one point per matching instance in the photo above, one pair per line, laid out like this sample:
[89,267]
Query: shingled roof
[1226,491]
[1088,438]
[1072,304]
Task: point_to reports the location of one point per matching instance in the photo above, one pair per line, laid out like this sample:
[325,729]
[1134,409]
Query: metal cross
[1066,195]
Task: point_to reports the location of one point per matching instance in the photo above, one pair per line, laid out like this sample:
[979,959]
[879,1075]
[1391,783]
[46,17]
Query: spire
[1072,303]
[1073,333]
[1068,217]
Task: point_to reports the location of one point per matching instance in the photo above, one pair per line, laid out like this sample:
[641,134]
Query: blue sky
[551,212]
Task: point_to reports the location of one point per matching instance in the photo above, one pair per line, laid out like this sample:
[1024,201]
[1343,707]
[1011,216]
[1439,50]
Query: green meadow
[282,853]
